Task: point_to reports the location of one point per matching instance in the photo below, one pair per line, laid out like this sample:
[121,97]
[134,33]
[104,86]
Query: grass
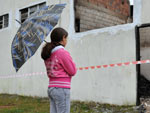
[22,104]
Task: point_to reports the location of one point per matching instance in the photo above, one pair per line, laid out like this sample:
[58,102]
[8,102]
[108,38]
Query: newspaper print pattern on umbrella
[33,32]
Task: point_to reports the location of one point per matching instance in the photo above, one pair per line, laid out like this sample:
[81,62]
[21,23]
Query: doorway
[142,33]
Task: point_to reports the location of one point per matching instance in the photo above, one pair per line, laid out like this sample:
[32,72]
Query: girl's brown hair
[56,37]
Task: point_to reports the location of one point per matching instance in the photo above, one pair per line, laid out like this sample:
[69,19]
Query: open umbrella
[33,32]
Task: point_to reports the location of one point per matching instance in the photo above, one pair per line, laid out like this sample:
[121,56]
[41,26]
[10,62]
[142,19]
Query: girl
[60,69]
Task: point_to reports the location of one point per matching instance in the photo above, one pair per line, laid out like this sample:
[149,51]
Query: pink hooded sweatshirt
[60,68]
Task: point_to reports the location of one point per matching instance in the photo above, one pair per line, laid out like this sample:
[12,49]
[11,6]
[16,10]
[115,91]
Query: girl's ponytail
[47,49]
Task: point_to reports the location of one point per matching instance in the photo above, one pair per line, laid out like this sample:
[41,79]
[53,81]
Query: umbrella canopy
[33,32]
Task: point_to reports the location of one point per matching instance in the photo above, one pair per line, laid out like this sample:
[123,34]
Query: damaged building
[94,14]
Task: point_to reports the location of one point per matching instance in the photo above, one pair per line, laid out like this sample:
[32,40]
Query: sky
[131,2]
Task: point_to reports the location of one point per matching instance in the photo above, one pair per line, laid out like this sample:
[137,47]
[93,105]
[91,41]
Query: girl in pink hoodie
[60,69]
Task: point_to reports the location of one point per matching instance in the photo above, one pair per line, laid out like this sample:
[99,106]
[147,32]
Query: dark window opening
[77,25]
[4,21]
[1,22]
[131,11]
[26,12]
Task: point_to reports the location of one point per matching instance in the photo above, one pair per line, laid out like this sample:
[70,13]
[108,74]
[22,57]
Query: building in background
[94,14]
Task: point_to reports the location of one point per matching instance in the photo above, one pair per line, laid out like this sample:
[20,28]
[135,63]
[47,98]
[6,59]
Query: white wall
[145,17]
[110,85]
[115,85]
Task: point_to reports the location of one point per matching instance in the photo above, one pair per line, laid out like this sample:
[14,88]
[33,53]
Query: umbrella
[33,32]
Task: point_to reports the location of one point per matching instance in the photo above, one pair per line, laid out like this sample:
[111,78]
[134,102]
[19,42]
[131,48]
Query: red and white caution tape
[80,68]
[22,75]
[114,65]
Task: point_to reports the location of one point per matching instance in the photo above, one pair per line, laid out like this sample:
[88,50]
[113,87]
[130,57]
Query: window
[26,12]
[131,11]
[4,21]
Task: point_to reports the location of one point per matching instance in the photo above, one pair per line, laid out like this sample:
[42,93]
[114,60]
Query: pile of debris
[144,94]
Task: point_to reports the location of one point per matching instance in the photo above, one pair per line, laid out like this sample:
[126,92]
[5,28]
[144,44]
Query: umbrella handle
[18,21]
[45,41]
